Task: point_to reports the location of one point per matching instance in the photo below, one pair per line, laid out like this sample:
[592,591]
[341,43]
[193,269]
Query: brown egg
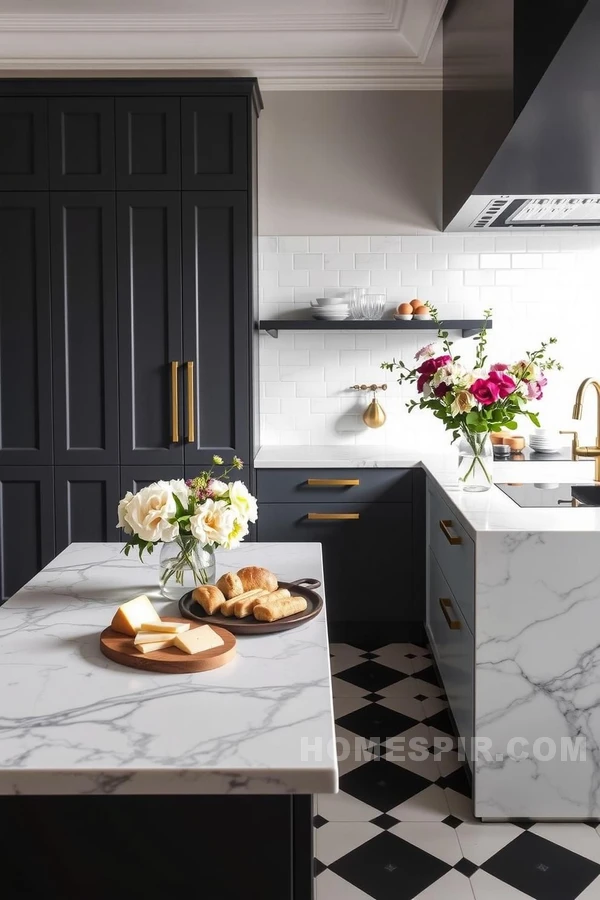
[416,303]
[405,309]
[422,311]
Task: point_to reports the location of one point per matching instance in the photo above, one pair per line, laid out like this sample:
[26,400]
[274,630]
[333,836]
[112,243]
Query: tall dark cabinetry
[127,227]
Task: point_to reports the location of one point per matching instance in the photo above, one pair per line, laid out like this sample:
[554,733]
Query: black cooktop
[567,495]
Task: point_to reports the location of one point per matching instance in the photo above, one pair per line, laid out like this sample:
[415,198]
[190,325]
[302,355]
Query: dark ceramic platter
[304,587]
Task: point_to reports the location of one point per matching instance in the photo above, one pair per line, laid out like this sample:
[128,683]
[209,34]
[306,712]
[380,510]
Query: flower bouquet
[190,519]
[472,403]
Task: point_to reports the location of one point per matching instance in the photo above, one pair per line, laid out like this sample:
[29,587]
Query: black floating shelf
[468,327]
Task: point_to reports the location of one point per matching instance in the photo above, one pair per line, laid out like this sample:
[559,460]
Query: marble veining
[74,722]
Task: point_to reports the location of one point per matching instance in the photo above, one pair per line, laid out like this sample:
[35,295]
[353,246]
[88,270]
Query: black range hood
[521,114]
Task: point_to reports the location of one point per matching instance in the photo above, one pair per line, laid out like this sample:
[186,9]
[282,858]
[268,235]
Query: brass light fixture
[374,415]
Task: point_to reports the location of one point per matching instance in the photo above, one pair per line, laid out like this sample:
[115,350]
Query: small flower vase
[184,565]
[475,462]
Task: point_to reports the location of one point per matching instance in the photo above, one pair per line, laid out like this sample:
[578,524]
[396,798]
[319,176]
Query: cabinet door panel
[134,478]
[23,144]
[214,143]
[149,282]
[216,318]
[84,306]
[82,151]
[25,337]
[86,504]
[368,561]
[26,497]
[148,143]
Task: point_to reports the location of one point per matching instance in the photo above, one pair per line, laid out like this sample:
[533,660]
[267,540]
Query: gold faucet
[589,452]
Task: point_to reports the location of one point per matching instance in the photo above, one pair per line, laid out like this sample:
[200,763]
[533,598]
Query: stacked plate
[545,441]
[330,309]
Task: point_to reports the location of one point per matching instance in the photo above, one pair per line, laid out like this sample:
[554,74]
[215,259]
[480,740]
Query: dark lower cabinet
[86,499]
[26,524]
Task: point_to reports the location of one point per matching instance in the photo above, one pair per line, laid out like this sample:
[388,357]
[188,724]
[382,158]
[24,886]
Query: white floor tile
[390,656]
[433,705]
[460,806]
[335,839]
[573,836]
[343,706]
[448,762]
[411,687]
[486,887]
[344,808]
[359,750]
[592,891]
[480,841]
[421,663]
[408,706]
[452,886]
[429,805]
[426,768]
[345,661]
[341,688]
[433,837]
[330,886]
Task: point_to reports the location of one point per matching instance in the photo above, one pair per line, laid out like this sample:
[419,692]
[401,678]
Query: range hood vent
[521,122]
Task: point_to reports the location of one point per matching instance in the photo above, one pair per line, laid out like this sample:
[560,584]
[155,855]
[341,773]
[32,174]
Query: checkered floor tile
[403,829]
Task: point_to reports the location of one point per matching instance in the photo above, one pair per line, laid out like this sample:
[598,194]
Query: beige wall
[350,162]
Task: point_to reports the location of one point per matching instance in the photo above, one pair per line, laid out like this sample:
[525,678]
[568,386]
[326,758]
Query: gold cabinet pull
[446,525]
[174,403]
[190,403]
[330,517]
[333,482]
[446,605]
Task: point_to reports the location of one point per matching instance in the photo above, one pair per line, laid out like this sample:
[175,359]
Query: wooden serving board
[121,649]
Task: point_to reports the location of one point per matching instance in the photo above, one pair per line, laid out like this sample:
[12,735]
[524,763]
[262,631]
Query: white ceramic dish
[324,302]
[424,317]
[402,318]
[328,317]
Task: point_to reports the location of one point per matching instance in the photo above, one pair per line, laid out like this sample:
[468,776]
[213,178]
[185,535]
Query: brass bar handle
[174,402]
[333,482]
[330,517]
[446,525]
[446,606]
[191,436]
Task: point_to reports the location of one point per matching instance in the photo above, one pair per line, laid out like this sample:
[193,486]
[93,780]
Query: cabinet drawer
[453,647]
[334,485]
[455,552]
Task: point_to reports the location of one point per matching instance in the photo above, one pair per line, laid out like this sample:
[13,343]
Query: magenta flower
[429,368]
[485,391]
[441,390]
[506,384]
[499,367]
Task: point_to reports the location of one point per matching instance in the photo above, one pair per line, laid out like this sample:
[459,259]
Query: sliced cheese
[147,637]
[155,645]
[166,627]
[129,617]
[198,639]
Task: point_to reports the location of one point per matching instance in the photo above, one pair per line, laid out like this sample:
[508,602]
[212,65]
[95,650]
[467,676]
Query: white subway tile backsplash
[355,244]
[353,358]
[281,262]
[463,261]
[338,261]
[342,341]
[308,340]
[385,244]
[511,243]
[323,244]
[388,278]
[418,278]
[369,261]
[451,278]
[308,260]
[495,260]
[432,261]
[527,260]
[480,276]
[319,278]
[267,245]
[301,373]
[416,244]
[293,244]
[325,405]
[311,389]
[294,358]
[280,389]
[448,243]
[295,278]
[480,243]
[401,261]
[353,278]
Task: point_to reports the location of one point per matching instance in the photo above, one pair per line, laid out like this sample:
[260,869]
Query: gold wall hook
[369,387]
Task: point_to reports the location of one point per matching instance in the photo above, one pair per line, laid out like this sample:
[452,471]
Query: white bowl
[402,317]
[423,316]
[330,317]
[329,301]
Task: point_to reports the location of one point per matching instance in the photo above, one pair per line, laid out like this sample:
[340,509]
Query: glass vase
[475,462]
[184,565]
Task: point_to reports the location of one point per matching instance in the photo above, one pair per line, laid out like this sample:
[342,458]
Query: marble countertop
[491,511]
[74,722]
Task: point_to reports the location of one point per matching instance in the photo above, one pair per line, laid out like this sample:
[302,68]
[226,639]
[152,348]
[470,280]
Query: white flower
[242,501]
[463,402]
[179,488]
[219,488]
[236,535]
[214,522]
[148,513]
[122,509]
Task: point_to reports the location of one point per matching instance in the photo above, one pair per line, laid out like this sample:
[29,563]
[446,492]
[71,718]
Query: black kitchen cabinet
[216,326]
[214,143]
[25,335]
[26,524]
[150,327]
[148,143]
[23,144]
[84,320]
[86,500]
[82,144]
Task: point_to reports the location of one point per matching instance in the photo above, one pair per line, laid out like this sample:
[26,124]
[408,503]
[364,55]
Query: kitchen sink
[546,494]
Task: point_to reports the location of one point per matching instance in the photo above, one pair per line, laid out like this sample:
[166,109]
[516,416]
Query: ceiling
[288,44]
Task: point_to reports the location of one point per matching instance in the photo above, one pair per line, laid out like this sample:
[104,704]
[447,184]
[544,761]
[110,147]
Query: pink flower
[535,388]
[429,368]
[499,367]
[425,352]
[506,385]
[485,391]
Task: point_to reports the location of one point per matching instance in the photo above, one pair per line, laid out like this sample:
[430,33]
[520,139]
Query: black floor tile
[441,721]
[388,868]
[369,646]
[382,784]
[458,781]
[452,821]
[374,698]
[371,676]
[428,674]
[385,821]
[319,821]
[542,869]
[466,867]
[376,722]
[318,866]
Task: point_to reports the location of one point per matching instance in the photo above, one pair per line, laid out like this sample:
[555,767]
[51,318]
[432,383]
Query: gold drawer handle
[446,525]
[446,606]
[333,482]
[190,402]
[330,517]
[174,403]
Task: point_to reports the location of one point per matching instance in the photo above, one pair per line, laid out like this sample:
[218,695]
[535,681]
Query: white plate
[327,318]
[402,318]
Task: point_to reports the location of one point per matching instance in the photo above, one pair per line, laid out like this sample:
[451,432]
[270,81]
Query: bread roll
[243,606]
[279,594]
[209,597]
[231,586]
[255,577]
[228,607]
[279,609]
